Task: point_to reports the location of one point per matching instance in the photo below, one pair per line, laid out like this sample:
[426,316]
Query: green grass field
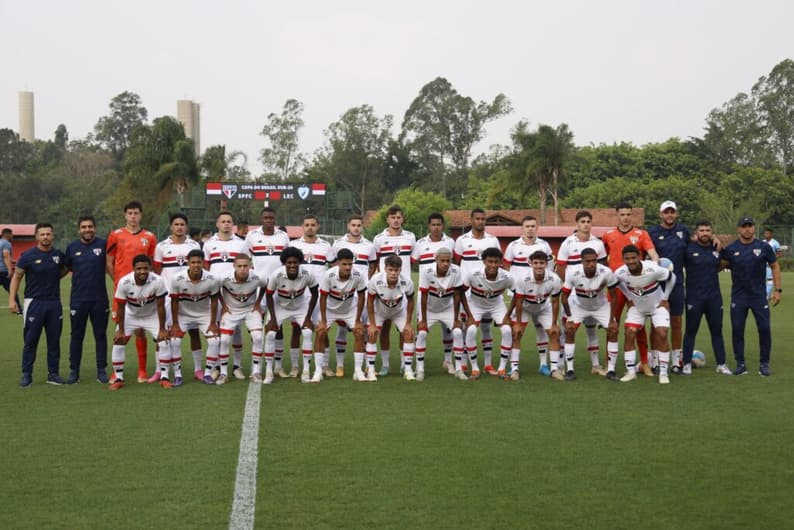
[704,452]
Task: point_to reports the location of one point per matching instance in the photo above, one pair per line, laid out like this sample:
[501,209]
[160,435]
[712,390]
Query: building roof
[21,230]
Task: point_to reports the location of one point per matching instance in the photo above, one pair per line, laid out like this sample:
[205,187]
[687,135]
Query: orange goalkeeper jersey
[614,241]
[123,246]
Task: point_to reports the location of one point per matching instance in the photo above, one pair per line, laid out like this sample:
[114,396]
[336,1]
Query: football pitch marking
[242,516]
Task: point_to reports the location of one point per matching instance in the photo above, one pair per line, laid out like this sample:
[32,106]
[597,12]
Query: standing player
[614,242]
[241,293]
[703,296]
[140,298]
[42,266]
[487,286]
[647,286]
[365,262]
[194,304]
[6,265]
[772,242]
[748,257]
[390,298]
[393,241]
[589,282]
[517,261]
[468,254]
[441,295]
[317,255]
[220,251]
[287,303]
[85,258]
[170,259]
[425,253]
[537,299]
[670,239]
[123,244]
[342,294]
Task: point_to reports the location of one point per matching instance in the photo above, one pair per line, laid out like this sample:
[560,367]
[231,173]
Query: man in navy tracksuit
[747,257]
[85,258]
[43,266]
[703,296]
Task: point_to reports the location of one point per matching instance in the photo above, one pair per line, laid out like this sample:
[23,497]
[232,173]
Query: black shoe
[741,369]
[55,379]
[26,381]
[763,370]
[102,377]
[74,377]
[569,375]
[612,376]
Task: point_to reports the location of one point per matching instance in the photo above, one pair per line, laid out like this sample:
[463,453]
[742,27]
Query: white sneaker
[687,369]
[268,378]
[318,376]
[215,374]
[460,375]
[420,375]
[371,376]
[306,377]
[663,379]
[631,375]
[293,373]
[514,375]
[408,375]
[282,374]
[238,374]
[358,375]
[723,370]
[449,367]
[221,379]
[256,378]
[327,372]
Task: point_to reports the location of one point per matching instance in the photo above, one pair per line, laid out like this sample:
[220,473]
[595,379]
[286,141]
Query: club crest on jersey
[144,242]
[229,190]
[308,257]
[224,256]
[57,259]
[715,254]
[756,251]
[634,240]
[680,234]
[303,192]
[97,252]
[181,260]
[270,249]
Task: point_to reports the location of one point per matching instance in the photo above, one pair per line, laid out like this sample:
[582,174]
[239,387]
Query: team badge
[229,190]
[715,254]
[308,257]
[303,192]
[680,234]
[269,249]
[180,260]
[756,251]
[224,256]
[97,252]
[634,240]
[57,259]
[73,312]
[144,242]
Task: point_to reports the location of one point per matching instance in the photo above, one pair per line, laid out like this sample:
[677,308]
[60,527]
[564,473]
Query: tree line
[741,165]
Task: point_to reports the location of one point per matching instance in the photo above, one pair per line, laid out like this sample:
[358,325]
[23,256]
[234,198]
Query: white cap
[668,204]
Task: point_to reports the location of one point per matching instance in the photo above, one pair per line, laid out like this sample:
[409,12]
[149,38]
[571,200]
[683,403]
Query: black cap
[746,220]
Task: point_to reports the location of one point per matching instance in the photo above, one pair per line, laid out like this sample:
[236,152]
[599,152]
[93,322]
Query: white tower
[188,114]
[26,117]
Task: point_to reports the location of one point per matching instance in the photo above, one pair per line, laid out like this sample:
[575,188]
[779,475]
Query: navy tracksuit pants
[80,313]
[760,310]
[41,315]
[695,309]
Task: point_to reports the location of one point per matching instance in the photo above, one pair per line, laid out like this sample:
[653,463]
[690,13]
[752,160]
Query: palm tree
[548,157]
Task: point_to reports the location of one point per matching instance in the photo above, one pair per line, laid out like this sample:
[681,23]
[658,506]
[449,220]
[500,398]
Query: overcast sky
[637,71]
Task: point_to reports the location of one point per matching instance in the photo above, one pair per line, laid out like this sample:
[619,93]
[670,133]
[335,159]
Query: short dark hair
[476,210]
[141,258]
[528,218]
[194,232]
[268,209]
[491,252]
[42,225]
[86,218]
[435,215]
[393,261]
[583,213]
[6,231]
[195,253]
[291,252]
[703,222]
[623,206]
[587,251]
[133,205]
[242,255]
[539,255]
[354,216]
[345,253]
[393,209]
[629,249]
[767,229]
[177,215]
[224,212]
[310,216]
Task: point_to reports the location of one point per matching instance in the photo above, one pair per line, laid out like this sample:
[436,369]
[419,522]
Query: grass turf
[704,452]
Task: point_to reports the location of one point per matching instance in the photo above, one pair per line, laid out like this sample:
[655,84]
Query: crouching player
[241,292]
[140,298]
[194,304]
[441,293]
[290,304]
[385,293]
[486,289]
[339,303]
[537,298]
[589,282]
[647,286]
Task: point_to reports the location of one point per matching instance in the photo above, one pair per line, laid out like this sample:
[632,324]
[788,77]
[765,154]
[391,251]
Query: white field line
[244,502]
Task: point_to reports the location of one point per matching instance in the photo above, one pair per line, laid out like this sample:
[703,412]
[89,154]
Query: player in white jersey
[393,241]
[140,296]
[342,297]
[390,298]
[219,253]
[241,293]
[536,299]
[441,295]
[424,256]
[194,304]
[170,259]
[287,303]
[486,300]
[584,298]
[516,260]
[647,286]
[365,261]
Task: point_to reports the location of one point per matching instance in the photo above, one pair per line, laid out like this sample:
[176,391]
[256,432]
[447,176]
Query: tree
[61,137]
[281,157]
[217,164]
[416,206]
[775,96]
[113,131]
[549,156]
[441,127]
[16,156]
[356,152]
[735,134]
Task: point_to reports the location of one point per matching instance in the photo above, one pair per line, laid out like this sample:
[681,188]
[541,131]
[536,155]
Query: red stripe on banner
[214,186]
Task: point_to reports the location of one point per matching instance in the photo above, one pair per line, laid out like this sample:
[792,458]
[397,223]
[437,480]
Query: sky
[635,71]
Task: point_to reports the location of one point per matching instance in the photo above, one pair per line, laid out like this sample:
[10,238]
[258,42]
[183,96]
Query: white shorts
[660,318]
[297,316]
[150,324]
[348,319]
[229,321]
[497,312]
[447,319]
[397,315]
[201,324]
[539,314]
[600,316]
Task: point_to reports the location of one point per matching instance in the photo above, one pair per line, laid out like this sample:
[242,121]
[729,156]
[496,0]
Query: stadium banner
[266,192]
